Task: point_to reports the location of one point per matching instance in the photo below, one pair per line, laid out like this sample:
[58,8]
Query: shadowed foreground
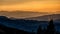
[9,29]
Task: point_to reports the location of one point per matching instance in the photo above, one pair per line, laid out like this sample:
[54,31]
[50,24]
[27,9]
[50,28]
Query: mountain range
[40,16]
[45,17]
[21,14]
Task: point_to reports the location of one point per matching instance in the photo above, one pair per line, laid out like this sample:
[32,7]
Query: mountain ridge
[21,14]
[45,17]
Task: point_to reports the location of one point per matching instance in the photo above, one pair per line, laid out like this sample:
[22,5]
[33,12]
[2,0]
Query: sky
[30,5]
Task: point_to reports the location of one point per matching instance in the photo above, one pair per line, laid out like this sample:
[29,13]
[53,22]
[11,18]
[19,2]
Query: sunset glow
[36,6]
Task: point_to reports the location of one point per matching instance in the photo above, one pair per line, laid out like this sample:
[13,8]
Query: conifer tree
[50,28]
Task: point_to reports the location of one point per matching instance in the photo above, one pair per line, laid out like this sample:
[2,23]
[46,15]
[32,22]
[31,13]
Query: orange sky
[39,6]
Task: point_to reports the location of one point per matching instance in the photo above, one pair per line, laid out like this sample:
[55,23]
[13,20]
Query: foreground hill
[22,26]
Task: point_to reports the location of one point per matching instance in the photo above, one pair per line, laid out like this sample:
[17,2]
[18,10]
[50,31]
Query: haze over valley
[30,15]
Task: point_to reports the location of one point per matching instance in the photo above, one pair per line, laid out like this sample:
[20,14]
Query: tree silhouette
[50,28]
[39,31]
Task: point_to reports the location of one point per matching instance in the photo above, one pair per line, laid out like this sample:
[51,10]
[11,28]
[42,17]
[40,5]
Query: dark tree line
[50,29]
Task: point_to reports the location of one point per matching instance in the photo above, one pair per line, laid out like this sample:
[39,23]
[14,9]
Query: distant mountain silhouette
[45,17]
[21,14]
